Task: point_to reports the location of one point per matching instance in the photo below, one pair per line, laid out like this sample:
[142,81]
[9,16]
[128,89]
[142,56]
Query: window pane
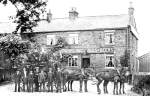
[51,39]
[73,61]
[110,61]
[73,38]
[109,38]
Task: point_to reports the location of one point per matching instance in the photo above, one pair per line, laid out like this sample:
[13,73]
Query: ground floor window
[109,60]
[73,61]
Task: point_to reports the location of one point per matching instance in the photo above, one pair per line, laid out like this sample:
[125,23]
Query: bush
[141,84]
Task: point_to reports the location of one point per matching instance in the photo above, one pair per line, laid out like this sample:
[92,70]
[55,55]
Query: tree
[124,59]
[27,13]
[12,46]
[48,58]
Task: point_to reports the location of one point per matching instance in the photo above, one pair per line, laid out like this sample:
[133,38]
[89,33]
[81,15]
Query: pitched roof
[83,23]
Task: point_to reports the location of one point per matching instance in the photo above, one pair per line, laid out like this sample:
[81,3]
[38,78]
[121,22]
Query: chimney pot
[73,14]
[130,9]
[49,16]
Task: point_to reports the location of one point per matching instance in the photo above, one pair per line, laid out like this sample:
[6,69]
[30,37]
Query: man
[25,79]
[17,77]
[41,79]
[58,80]
[50,79]
[31,81]
[36,79]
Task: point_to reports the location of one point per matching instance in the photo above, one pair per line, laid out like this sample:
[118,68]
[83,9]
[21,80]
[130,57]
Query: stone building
[94,41]
[98,41]
[144,63]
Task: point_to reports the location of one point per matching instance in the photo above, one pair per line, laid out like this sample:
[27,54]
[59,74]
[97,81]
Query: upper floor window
[73,61]
[73,39]
[109,61]
[51,40]
[109,38]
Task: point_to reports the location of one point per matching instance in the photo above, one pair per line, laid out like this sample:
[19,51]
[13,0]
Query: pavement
[8,90]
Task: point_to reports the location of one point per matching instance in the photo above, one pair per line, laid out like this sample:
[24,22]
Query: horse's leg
[106,86]
[81,83]
[123,87]
[64,85]
[117,88]
[85,85]
[71,85]
[99,82]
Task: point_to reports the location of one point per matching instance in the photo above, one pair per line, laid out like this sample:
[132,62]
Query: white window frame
[107,37]
[73,38]
[51,39]
[106,62]
[72,60]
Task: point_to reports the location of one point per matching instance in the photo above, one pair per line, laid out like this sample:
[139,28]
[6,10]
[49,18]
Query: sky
[60,9]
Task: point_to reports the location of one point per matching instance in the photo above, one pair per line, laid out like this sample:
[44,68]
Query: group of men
[30,81]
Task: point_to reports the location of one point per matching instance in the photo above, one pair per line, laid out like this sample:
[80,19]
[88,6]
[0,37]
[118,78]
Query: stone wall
[91,40]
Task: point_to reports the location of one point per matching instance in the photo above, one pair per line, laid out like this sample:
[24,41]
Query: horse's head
[90,71]
[125,73]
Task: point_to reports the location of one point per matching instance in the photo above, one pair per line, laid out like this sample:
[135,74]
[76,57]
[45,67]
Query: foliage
[124,59]
[28,13]
[141,84]
[12,46]
[50,56]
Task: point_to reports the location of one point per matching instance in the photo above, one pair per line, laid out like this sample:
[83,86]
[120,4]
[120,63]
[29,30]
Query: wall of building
[94,43]
[133,42]
[144,63]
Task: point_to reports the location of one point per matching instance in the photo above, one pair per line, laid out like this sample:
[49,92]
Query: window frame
[113,60]
[73,39]
[110,33]
[52,37]
[73,59]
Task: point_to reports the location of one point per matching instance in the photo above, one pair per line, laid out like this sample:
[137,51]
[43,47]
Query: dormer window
[51,40]
[109,38]
[73,38]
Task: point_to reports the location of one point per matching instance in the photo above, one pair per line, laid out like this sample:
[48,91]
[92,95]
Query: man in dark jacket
[36,79]
[31,81]
[17,78]
[58,80]
[50,79]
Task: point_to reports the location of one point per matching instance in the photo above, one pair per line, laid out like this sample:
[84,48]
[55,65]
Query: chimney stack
[131,10]
[73,14]
[49,16]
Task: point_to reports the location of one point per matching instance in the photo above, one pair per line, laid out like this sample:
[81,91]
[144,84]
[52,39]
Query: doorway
[85,62]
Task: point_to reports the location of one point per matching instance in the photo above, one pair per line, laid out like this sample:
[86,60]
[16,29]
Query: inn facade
[94,41]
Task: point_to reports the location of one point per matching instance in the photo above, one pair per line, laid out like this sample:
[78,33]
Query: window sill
[110,44]
[110,67]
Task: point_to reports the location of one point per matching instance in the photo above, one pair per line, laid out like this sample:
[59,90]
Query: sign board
[92,50]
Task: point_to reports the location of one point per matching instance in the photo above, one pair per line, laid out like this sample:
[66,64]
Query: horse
[71,74]
[113,75]
[124,74]
[106,75]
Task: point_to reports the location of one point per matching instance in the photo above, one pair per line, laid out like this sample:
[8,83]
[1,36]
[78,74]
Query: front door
[85,62]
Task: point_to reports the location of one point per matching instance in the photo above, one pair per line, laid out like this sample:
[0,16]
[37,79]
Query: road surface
[8,90]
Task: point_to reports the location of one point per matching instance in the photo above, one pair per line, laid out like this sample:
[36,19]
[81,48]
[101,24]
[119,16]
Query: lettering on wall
[92,50]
